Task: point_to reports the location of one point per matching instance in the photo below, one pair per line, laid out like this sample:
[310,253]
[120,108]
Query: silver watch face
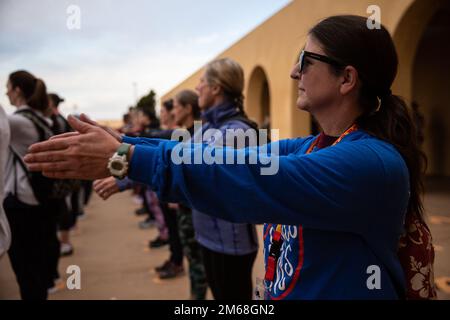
[118,166]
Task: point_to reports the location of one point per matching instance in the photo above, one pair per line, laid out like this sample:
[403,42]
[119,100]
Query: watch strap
[124,149]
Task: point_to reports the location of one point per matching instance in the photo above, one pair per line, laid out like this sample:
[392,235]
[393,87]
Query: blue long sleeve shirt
[341,208]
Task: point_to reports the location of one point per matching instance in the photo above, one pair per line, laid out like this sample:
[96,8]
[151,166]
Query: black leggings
[175,247]
[27,253]
[68,214]
[55,210]
[229,276]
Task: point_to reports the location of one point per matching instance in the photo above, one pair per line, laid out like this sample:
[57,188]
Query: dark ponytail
[32,88]
[239,101]
[384,115]
[393,122]
[39,99]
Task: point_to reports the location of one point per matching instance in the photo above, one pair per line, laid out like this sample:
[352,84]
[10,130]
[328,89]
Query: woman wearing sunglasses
[336,208]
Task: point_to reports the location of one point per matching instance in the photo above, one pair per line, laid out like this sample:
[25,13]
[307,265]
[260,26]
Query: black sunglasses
[316,56]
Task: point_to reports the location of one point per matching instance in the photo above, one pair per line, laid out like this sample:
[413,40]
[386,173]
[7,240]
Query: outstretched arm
[338,188]
[345,187]
[84,154]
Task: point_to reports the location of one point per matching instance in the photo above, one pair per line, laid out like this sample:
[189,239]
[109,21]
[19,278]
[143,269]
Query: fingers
[49,156]
[96,183]
[80,126]
[85,118]
[114,133]
[106,187]
[56,144]
[65,135]
[107,193]
[101,184]
[97,186]
[48,167]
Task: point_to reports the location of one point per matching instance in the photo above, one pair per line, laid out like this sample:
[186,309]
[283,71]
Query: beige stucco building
[419,28]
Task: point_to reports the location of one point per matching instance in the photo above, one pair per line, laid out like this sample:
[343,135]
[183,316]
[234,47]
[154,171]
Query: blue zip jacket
[342,209]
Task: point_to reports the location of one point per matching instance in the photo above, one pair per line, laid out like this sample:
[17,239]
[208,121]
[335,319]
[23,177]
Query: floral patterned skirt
[416,254]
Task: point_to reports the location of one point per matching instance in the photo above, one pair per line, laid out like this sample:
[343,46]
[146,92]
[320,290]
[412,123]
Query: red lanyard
[277,239]
[274,254]
[353,128]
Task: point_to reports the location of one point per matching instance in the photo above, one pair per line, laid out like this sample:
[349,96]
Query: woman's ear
[216,90]
[18,91]
[349,80]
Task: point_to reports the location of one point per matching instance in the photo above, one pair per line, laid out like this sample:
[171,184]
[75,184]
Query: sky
[122,49]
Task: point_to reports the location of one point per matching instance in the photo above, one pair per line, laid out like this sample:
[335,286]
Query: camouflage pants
[193,253]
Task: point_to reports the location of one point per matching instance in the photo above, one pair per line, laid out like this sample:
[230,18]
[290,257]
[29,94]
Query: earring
[379,105]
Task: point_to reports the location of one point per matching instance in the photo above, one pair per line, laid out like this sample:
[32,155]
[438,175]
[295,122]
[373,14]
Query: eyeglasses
[316,56]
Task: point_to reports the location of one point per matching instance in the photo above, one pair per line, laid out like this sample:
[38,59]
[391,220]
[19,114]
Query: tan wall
[275,44]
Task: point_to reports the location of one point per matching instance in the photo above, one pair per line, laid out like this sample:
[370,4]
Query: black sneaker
[164,266]
[157,243]
[141,211]
[147,223]
[171,272]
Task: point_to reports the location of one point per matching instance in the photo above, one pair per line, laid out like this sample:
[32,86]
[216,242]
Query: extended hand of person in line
[81,155]
[106,187]
[85,118]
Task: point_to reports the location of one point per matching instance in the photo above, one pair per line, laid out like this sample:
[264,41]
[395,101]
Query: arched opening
[407,35]
[430,90]
[258,98]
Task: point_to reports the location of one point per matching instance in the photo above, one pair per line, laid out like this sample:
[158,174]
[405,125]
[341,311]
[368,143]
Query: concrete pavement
[116,263]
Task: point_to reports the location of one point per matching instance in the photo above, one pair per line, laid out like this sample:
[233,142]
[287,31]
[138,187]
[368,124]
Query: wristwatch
[118,163]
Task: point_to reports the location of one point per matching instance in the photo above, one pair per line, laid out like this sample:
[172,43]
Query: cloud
[206,39]
[155,44]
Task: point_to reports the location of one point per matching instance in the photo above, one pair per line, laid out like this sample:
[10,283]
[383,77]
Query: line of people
[213,247]
[40,212]
[41,237]
[343,204]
